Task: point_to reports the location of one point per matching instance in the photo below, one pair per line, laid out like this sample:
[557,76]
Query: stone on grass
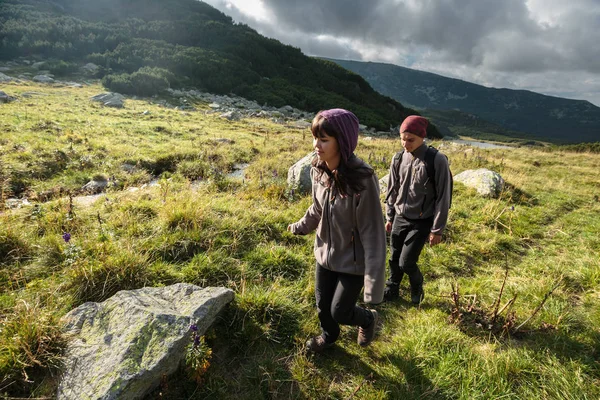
[6,78]
[383,184]
[110,99]
[90,68]
[43,79]
[299,174]
[487,183]
[123,347]
[4,98]
[96,185]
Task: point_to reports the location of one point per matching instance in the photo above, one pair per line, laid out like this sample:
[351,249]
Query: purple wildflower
[194,328]
[66,237]
[196,340]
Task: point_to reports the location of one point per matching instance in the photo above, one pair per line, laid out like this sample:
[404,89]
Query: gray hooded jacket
[350,232]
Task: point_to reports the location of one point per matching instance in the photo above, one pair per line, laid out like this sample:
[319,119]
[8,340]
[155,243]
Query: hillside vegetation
[144,46]
[475,110]
[545,228]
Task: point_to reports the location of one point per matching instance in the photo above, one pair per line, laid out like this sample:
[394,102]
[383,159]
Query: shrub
[148,81]
[61,68]
[120,83]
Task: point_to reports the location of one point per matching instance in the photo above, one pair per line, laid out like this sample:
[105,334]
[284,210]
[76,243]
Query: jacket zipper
[328,210]
[353,246]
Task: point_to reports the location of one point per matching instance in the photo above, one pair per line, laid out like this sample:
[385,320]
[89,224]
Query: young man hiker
[417,202]
[350,235]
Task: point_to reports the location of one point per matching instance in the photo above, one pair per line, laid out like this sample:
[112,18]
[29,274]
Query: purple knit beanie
[346,124]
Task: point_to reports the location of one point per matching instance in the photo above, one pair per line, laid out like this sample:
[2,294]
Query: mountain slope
[535,115]
[187,43]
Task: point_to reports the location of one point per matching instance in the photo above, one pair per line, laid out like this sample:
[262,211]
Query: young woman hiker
[350,242]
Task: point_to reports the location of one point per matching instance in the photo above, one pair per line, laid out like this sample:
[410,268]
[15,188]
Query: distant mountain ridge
[535,115]
[156,44]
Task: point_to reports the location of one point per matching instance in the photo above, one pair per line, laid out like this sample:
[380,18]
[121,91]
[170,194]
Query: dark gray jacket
[350,232]
[417,198]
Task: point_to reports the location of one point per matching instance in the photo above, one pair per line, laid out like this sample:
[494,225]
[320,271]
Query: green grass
[545,227]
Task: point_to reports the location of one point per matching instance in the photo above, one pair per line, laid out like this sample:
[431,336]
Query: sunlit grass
[231,232]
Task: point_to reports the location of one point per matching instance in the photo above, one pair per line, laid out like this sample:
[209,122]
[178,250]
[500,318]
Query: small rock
[43,79]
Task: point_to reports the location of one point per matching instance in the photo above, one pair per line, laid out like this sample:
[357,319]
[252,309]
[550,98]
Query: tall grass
[544,228]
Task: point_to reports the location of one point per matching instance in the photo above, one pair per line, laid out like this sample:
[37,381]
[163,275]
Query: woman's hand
[388,226]
[434,239]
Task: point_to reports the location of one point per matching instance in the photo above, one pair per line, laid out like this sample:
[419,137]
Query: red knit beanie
[415,124]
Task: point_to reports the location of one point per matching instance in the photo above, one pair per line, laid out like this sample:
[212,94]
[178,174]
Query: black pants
[336,296]
[406,242]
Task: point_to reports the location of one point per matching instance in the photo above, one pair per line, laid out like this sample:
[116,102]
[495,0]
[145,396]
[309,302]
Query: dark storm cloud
[501,35]
[517,43]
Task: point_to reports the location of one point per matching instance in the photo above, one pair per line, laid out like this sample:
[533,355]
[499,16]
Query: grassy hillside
[521,113]
[185,43]
[545,227]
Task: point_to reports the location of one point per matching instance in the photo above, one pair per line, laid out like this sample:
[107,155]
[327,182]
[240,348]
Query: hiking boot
[317,344]
[416,286]
[392,291]
[417,293]
[366,335]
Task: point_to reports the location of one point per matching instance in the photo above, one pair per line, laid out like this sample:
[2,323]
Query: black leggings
[336,296]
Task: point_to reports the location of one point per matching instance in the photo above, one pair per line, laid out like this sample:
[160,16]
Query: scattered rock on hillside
[383,184]
[90,68]
[110,99]
[6,78]
[39,65]
[96,185]
[231,116]
[4,98]
[123,347]
[299,174]
[487,183]
[43,79]
[224,140]
[129,168]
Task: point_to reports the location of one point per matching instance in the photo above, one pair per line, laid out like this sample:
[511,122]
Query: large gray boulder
[487,183]
[6,78]
[383,184]
[299,175]
[110,99]
[4,98]
[43,79]
[122,347]
[90,68]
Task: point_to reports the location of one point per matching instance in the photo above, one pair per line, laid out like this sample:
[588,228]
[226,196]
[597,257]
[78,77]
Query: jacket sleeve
[443,189]
[312,217]
[370,225]
[391,194]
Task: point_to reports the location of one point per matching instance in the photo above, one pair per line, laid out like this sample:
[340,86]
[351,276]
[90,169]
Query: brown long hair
[349,174]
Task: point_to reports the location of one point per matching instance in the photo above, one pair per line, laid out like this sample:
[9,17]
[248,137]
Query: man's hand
[434,239]
[388,226]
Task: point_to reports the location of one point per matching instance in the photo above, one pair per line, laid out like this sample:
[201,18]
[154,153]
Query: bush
[61,68]
[146,81]
[120,83]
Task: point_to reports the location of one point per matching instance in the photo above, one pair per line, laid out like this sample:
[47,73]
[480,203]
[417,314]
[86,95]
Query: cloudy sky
[547,46]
